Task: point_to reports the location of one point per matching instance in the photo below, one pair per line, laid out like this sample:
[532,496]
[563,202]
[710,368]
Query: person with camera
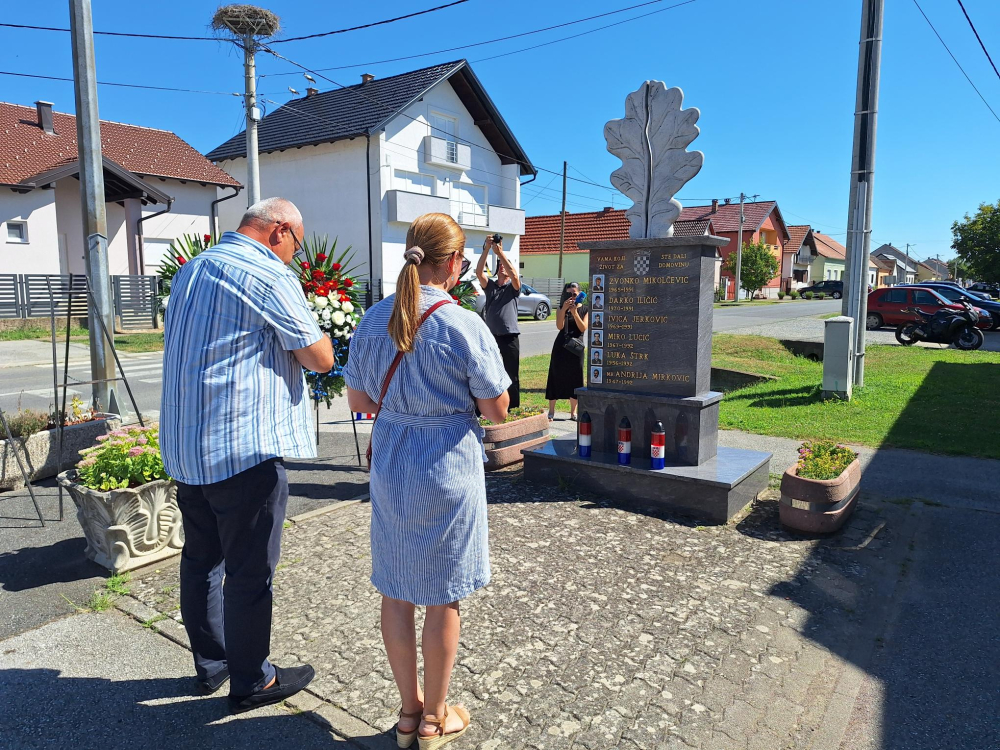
[566,363]
[500,311]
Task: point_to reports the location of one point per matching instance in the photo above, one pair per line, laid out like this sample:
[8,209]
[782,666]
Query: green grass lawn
[26,334]
[124,342]
[938,400]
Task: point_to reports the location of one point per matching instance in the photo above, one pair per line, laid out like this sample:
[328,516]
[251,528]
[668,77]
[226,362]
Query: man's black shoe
[286,684]
[211,684]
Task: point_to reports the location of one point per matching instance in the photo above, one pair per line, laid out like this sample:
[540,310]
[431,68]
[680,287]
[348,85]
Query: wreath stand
[354,427]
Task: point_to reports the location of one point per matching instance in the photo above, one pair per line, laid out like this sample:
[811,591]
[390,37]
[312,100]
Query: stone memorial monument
[649,357]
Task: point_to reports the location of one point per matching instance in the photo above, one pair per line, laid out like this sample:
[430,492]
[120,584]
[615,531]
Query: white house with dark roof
[364,161]
[157,188]
[905,268]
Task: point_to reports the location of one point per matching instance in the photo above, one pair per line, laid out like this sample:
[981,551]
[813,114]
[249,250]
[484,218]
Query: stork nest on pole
[242,21]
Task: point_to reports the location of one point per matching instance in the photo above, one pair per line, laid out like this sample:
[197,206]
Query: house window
[17,231]
[413,182]
[446,127]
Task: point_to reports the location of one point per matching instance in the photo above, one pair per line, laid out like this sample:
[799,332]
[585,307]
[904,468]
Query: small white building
[364,161]
[157,188]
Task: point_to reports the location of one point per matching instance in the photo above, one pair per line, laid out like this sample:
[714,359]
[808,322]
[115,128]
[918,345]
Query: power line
[493,40]
[978,39]
[135,35]
[370,25]
[122,85]
[956,60]
[538,193]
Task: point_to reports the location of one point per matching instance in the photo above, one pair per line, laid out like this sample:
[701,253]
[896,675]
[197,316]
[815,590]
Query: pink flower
[137,451]
[102,438]
[142,440]
[119,433]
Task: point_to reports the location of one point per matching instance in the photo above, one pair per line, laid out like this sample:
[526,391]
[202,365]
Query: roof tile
[541,233]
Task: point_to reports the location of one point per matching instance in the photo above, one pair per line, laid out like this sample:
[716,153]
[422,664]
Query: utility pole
[859,215]
[95,220]
[253,116]
[739,250]
[906,271]
[562,225]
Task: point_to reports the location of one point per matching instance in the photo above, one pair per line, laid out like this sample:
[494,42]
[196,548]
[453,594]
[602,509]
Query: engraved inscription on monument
[645,332]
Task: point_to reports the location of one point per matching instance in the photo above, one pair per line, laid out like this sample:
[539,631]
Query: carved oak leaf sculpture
[651,142]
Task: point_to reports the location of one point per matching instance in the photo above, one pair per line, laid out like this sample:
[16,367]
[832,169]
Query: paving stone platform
[606,628]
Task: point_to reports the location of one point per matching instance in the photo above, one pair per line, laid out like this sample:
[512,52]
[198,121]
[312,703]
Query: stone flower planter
[504,442]
[126,529]
[43,450]
[819,506]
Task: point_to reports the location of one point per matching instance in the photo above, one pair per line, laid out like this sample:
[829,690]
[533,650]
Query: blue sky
[774,80]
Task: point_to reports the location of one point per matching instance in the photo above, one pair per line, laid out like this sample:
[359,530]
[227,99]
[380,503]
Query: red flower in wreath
[333,284]
[207,238]
[344,298]
[304,264]
[348,283]
[336,266]
[321,292]
[317,274]
[181,260]
[310,286]
[320,257]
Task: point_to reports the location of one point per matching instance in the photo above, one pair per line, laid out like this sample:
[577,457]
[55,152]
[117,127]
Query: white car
[531,303]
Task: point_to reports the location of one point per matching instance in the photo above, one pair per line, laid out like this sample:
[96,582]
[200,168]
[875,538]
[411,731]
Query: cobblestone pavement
[602,627]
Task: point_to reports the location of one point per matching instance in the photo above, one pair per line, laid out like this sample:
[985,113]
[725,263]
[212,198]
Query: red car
[885,306]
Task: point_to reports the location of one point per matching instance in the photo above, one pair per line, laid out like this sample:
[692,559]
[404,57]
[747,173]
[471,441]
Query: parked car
[954,293]
[531,303]
[983,288]
[886,306]
[830,287]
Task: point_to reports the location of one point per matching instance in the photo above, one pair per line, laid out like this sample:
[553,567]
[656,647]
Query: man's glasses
[466,265]
[299,249]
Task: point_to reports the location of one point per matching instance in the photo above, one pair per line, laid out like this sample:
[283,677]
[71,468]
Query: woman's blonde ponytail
[431,239]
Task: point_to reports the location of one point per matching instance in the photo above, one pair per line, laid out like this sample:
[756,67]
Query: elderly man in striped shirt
[235,403]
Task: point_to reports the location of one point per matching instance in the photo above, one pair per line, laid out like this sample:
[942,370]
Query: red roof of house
[28,151]
[796,235]
[726,218]
[829,247]
[541,233]
[882,265]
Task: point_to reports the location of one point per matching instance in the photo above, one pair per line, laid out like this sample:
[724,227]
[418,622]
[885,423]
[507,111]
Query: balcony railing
[440,152]
[405,207]
[470,214]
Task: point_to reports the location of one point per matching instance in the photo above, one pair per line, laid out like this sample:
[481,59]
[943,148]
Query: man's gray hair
[271,210]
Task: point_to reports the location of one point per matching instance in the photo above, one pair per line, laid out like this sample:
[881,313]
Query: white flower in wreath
[347,307]
[315,316]
[338,318]
[321,302]
[325,315]
[335,304]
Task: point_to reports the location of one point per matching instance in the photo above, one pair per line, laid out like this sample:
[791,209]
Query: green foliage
[720,294]
[127,457]
[585,287]
[976,240]
[27,422]
[181,251]
[794,294]
[100,601]
[518,412]
[823,459]
[118,584]
[759,266]
[781,295]
[808,295]
[821,295]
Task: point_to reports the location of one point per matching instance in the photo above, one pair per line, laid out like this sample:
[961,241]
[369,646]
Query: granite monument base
[691,423]
[714,491]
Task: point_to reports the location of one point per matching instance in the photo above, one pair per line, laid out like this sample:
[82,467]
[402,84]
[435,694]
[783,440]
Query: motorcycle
[946,326]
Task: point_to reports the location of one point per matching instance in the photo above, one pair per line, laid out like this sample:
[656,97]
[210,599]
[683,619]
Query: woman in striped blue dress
[428,487]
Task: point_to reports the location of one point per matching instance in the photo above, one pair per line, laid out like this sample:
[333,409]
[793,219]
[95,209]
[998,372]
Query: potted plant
[819,492]
[525,427]
[36,435]
[125,501]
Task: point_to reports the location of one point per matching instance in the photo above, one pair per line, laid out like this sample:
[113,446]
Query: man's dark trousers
[510,352]
[232,527]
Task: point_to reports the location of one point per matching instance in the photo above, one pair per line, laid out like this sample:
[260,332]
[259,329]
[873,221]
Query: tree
[957,269]
[976,239]
[759,266]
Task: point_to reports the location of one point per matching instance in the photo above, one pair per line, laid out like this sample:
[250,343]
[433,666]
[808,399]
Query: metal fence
[38,295]
[551,288]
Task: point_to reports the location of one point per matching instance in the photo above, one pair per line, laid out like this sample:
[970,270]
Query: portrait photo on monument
[598,301]
[598,285]
[596,357]
[596,339]
[596,375]
[598,321]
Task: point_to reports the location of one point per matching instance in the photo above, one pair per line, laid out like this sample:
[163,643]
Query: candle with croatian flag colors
[583,439]
[657,447]
[362,417]
[625,442]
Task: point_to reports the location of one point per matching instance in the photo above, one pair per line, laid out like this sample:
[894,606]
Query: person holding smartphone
[566,363]
[500,311]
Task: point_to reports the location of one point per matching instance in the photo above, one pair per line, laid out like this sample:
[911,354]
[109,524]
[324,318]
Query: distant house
[830,259]
[540,243]
[879,271]
[762,222]
[905,268]
[157,188]
[362,162]
[801,246]
[932,270]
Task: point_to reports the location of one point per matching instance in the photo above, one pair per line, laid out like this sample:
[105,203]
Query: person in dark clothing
[565,367]
[500,312]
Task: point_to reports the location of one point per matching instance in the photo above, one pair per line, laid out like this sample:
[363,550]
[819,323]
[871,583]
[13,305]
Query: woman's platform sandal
[405,739]
[441,739]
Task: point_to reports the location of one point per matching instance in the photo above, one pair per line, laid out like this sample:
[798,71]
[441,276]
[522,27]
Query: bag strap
[399,358]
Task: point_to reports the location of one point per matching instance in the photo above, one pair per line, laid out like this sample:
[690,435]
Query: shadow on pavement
[32,567]
[43,708]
